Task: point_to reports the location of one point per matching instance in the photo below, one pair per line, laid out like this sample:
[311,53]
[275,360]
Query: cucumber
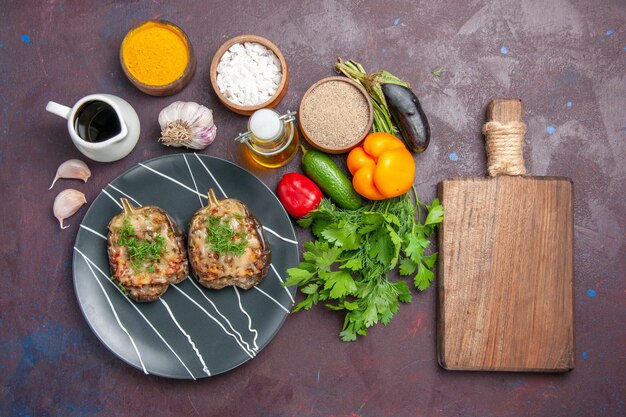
[326,174]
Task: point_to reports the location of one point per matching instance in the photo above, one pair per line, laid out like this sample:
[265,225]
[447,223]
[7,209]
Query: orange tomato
[381,168]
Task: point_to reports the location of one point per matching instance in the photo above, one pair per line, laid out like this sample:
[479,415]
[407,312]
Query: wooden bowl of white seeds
[248,73]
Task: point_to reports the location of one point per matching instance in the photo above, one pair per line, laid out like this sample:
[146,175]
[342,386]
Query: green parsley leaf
[382,247]
[348,335]
[342,234]
[423,278]
[321,254]
[430,260]
[353,264]
[435,213]
[371,222]
[414,248]
[340,283]
[407,266]
[404,293]
[298,276]
[348,305]
[320,225]
[309,289]
[397,244]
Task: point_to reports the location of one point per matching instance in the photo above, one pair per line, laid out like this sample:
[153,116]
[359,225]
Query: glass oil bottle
[271,140]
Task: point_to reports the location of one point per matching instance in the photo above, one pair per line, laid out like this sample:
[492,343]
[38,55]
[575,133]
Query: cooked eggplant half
[146,251]
[227,246]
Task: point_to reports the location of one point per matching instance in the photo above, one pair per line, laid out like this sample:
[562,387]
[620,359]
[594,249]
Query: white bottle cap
[265,124]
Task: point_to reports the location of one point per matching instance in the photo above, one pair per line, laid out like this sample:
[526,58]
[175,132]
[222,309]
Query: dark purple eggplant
[408,116]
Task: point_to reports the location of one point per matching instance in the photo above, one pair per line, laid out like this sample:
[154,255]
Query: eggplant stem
[126,206]
[349,70]
[213,201]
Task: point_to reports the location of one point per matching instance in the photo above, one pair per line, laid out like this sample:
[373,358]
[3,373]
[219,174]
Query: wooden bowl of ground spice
[157,57]
[335,115]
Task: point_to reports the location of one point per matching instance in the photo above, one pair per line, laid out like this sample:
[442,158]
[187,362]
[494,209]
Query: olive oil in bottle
[272,140]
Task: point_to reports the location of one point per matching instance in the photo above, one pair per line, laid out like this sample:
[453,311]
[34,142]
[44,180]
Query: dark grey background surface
[565,59]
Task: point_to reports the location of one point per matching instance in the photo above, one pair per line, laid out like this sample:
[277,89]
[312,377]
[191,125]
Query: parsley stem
[417,204]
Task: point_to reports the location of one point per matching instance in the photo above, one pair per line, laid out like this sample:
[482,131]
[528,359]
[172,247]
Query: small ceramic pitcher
[111,149]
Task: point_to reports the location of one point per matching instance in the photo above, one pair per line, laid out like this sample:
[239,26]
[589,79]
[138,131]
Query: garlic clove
[204,138]
[73,168]
[170,114]
[66,203]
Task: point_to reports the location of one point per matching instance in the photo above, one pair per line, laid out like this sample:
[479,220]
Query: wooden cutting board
[505,296]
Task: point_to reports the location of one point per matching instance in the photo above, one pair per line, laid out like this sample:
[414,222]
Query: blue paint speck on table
[585,355]
[519,382]
[2,45]
[25,39]
[569,104]
[453,156]
[384,50]
[609,32]
[504,50]
[591,293]
[396,21]
[550,129]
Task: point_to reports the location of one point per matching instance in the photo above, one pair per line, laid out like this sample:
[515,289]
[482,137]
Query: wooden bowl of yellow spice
[157,57]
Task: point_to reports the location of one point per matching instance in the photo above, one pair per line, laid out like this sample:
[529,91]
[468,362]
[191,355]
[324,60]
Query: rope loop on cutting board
[505,148]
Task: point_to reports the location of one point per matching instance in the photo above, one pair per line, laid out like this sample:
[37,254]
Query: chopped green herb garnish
[222,239]
[122,288]
[140,251]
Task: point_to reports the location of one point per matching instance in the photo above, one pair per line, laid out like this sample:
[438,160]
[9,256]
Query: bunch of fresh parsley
[348,266]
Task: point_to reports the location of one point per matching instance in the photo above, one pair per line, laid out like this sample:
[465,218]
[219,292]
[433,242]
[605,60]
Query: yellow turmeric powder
[155,53]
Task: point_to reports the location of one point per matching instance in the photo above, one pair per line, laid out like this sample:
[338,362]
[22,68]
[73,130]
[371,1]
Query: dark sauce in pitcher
[97,121]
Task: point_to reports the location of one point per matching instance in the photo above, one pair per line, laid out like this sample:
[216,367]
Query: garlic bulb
[66,203]
[73,168]
[187,124]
